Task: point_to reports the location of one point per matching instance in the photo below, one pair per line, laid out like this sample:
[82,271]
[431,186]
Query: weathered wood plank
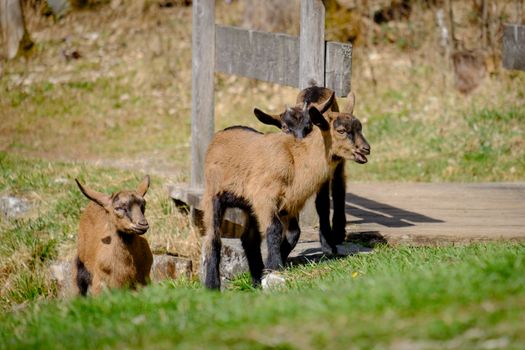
[259,55]
[13,27]
[311,43]
[202,104]
[338,70]
[274,57]
[514,46]
[234,218]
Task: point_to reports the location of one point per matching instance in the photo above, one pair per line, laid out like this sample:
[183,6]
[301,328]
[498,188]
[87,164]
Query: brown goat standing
[330,235]
[270,176]
[110,250]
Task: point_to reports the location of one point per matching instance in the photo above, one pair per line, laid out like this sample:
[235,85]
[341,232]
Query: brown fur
[275,173]
[324,100]
[109,241]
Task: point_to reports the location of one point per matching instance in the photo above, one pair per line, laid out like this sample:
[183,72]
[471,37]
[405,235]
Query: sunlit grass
[458,297]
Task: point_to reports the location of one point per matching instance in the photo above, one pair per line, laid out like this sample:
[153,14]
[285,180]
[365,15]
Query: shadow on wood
[370,211]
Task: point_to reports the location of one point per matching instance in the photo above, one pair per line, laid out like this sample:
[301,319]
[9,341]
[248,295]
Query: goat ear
[268,119]
[318,119]
[143,186]
[324,107]
[349,108]
[100,198]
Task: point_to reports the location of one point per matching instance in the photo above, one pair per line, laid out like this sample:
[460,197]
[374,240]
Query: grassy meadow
[123,110]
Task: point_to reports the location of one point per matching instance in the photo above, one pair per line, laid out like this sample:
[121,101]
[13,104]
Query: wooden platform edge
[190,197]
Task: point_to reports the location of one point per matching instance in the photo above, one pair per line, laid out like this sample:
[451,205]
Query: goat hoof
[273,280]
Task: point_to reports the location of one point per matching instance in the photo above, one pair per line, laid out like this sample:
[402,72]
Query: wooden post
[13,28]
[311,67]
[202,104]
[273,57]
[514,46]
[311,43]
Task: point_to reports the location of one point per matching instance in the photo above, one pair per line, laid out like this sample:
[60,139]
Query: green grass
[450,297]
[482,145]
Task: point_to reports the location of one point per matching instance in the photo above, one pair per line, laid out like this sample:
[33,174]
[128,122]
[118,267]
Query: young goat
[270,176]
[110,250]
[330,235]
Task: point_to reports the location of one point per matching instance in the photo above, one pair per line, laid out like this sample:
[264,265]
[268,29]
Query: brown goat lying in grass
[270,176]
[110,250]
[330,235]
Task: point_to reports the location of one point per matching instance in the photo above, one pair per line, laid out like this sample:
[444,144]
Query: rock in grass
[164,267]
[233,259]
[169,266]
[13,207]
[273,280]
[61,274]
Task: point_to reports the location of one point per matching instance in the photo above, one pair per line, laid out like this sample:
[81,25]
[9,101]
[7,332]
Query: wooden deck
[429,213]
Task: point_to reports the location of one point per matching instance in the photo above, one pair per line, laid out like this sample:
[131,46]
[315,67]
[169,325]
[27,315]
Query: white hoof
[273,280]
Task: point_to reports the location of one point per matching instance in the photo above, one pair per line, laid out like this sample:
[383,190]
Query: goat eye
[121,211]
[285,128]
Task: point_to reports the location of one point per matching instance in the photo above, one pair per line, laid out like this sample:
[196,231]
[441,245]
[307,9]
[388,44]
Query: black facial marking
[345,123]
[283,212]
[296,121]
[83,277]
[115,197]
[242,127]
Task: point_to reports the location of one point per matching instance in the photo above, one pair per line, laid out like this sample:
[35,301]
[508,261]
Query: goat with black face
[270,176]
[323,98]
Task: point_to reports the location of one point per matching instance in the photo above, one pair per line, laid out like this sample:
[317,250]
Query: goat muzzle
[140,229]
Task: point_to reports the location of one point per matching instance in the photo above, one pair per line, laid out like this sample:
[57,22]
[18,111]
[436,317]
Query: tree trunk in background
[14,33]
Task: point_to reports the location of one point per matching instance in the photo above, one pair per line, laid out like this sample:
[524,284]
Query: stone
[233,260]
[13,207]
[59,7]
[164,267]
[61,273]
[169,266]
[272,281]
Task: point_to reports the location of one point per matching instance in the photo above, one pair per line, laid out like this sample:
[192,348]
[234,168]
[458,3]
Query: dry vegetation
[112,85]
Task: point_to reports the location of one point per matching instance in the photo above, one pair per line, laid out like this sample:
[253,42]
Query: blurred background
[110,82]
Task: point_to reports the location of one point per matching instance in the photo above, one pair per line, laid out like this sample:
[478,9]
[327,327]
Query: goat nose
[366,148]
[143,223]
